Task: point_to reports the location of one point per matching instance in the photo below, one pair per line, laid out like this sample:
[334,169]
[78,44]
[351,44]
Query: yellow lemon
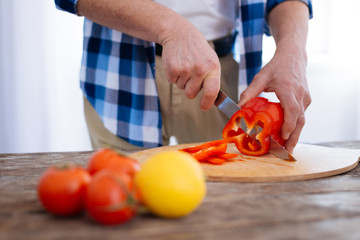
[171,184]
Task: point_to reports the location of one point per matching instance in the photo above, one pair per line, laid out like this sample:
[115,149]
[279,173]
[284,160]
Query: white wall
[333,70]
[40,98]
[41,102]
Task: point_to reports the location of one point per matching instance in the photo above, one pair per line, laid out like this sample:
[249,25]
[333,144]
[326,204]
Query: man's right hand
[188,59]
[191,64]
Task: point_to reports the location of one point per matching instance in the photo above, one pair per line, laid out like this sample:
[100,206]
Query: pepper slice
[203,151]
[213,152]
[204,145]
[226,156]
[257,111]
[216,160]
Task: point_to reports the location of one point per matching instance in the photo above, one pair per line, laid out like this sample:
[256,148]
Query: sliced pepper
[256,112]
[204,145]
[226,156]
[203,151]
[216,160]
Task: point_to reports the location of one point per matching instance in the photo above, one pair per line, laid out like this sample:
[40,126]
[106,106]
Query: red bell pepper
[268,115]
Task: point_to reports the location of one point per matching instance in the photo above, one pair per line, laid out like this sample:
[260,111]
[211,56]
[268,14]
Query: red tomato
[108,158]
[62,190]
[111,197]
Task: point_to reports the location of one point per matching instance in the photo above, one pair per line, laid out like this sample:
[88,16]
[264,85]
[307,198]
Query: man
[133,108]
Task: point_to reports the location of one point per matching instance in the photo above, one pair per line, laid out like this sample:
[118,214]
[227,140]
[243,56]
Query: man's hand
[192,65]
[285,74]
[188,59]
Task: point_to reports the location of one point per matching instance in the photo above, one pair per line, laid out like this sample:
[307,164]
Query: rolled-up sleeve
[270,4]
[67,5]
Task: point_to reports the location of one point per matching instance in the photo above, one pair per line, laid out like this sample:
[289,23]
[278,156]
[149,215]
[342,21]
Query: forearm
[288,23]
[142,19]
[188,60]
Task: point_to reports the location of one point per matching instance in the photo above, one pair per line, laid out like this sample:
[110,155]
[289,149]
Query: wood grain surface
[313,162]
[324,208]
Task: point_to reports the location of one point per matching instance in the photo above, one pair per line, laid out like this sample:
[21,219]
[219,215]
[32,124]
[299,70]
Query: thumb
[257,86]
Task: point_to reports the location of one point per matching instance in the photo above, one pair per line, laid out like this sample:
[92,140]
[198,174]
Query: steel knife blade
[229,107]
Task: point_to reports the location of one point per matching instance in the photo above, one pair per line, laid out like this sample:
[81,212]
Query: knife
[229,107]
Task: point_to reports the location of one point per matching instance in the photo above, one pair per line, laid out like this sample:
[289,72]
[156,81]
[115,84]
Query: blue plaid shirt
[118,71]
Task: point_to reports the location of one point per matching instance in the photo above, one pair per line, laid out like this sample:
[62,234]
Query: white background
[41,102]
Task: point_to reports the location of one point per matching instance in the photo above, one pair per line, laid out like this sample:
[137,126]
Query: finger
[257,86]
[173,70]
[184,75]
[211,87]
[291,115]
[193,87]
[306,100]
[181,81]
[172,74]
[295,135]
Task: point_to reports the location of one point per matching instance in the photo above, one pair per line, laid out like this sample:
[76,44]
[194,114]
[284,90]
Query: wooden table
[327,208]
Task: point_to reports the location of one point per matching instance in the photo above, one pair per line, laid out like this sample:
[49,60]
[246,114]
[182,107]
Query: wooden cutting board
[313,162]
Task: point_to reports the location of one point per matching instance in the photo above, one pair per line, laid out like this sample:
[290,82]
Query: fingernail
[285,136]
